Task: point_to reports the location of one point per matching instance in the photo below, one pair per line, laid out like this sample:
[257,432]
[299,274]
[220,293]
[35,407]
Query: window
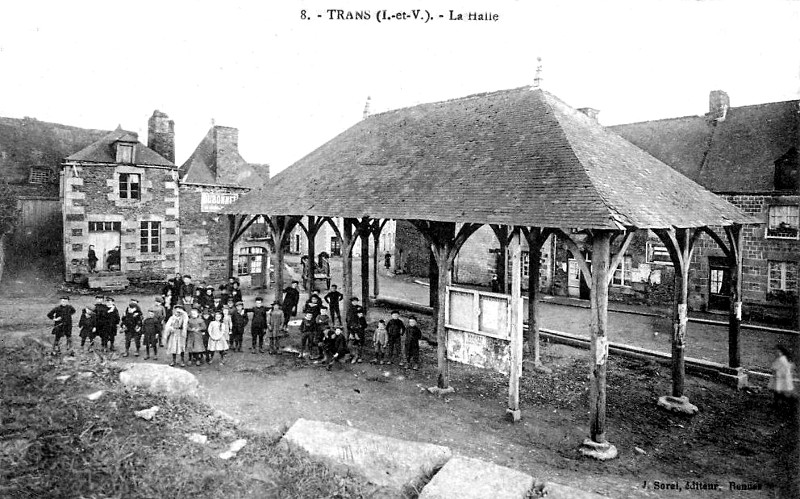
[41,176]
[125,153]
[150,237]
[129,186]
[782,283]
[783,221]
[243,268]
[622,276]
[105,226]
[716,282]
[525,260]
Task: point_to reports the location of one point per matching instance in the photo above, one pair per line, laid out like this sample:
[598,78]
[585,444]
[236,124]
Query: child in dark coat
[151,327]
[62,324]
[109,322]
[275,328]
[395,330]
[238,321]
[358,331]
[87,324]
[258,325]
[308,329]
[132,326]
[333,298]
[339,348]
[413,335]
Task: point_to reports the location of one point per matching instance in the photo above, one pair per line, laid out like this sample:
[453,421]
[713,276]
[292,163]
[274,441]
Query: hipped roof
[515,157]
[102,151]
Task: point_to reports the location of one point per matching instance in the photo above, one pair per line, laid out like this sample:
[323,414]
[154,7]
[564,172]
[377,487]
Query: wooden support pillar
[597,445]
[377,228]
[364,236]
[347,264]
[535,237]
[311,236]
[281,228]
[433,280]
[734,234]
[679,243]
[515,255]
[501,232]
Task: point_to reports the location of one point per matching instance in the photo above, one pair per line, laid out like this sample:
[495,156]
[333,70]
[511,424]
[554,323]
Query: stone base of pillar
[513,415]
[441,391]
[529,365]
[600,451]
[677,404]
[735,377]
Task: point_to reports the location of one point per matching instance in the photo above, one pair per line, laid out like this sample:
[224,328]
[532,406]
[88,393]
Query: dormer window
[784,222]
[124,153]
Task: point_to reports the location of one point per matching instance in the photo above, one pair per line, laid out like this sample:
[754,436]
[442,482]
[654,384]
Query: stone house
[216,175]
[121,196]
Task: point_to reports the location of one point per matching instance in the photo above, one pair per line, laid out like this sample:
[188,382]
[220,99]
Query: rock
[157,378]
[441,391]
[94,396]
[600,451]
[225,415]
[639,450]
[227,455]
[468,478]
[198,438]
[677,404]
[63,378]
[147,414]
[85,374]
[555,491]
[237,445]
[384,461]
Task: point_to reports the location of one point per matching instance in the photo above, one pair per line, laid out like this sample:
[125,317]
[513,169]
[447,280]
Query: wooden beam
[364,232]
[515,256]
[347,263]
[231,240]
[599,340]
[734,234]
[311,237]
[626,241]
[377,228]
[578,255]
[535,237]
[501,232]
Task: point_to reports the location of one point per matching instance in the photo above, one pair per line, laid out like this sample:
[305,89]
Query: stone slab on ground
[555,491]
[158,378]
[467,478]
[384,461]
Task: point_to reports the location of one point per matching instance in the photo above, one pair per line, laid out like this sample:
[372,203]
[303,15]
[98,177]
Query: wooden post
[364,235]
[443,281]
[735,312]
[433,280]
[535,238]
[278,239]
[375,261]
[515,255]
[501,232]
[311,236]
[347,265]
[601,256]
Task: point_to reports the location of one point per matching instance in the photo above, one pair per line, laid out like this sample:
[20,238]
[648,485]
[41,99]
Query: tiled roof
[102,151]
[517,157]
[737,154]
[208,164]
[28,142]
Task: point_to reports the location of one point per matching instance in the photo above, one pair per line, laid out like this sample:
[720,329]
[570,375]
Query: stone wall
[91,194]
[411,252]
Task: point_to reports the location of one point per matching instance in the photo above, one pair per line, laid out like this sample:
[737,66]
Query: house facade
[216,175]
[121,197]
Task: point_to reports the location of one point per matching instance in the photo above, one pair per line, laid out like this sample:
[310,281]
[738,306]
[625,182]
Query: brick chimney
[590,112]
[718,104]
[161,135]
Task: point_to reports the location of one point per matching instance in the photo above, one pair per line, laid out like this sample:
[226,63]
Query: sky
[291,84]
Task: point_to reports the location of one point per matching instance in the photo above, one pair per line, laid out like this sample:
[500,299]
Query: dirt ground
[736,437]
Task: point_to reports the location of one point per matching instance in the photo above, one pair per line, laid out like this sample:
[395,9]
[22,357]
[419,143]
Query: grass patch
[54,442]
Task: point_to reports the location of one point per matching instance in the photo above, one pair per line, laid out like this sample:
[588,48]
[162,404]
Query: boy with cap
[132,326]
[413,335]
[339,348]
[308,330]
[357,332]
[352,312]
[62,324]
[322,322]
[160,312]
[151,329]
[395,329]
[258,325]
[238,323]
[291,298]
[110,324]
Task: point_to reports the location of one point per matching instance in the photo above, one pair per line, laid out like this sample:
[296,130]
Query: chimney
[161,135]
[227,160]
[718,104]
[590,112]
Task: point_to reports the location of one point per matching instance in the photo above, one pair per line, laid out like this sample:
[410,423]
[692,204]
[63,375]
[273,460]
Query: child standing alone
[62,324]
[218,337]
[151,327]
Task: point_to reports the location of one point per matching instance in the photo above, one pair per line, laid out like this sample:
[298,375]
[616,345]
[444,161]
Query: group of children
[186,321]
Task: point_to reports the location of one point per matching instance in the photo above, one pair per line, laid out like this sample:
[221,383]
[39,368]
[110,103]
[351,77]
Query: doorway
[104,236]
[576,282]
[253,262]
[719,284]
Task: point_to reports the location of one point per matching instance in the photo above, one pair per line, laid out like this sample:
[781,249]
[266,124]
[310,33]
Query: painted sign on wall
[212,202]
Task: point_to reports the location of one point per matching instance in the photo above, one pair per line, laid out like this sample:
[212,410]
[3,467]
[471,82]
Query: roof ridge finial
[366,108]
[537,80]
[213,123]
